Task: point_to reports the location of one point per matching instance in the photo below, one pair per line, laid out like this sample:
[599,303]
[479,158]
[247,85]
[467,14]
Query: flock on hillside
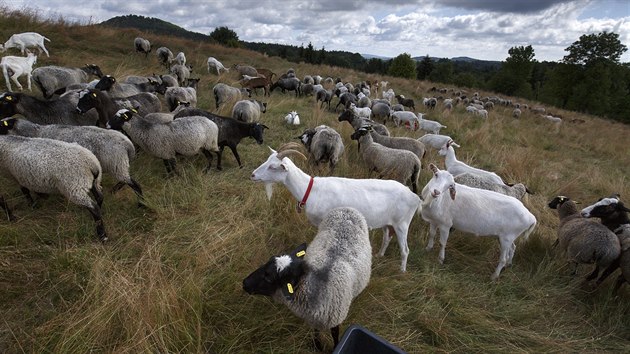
[85,123]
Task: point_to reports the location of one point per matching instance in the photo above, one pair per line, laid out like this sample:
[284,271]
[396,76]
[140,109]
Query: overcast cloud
[482,29]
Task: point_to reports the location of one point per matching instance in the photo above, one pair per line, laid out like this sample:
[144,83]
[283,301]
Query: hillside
[170,278]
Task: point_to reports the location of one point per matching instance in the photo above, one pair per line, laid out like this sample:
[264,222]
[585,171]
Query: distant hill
[156,26]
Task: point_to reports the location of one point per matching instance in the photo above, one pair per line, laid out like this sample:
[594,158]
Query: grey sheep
[400,142]
[113,149]
[324,144]
[246,70]
[318,283]
[122,89]
[61,110]
[143,103]
[182,72]
[364,101]
[50,79]
[175,95]
[248,111]
[324,96]
[165,56]
[381,111]
[224,93]
[357,122]
[396,164]
[583,240]
[517,190]
[142,45]
[186,136]
[436,141]
[169,80]
[51,166]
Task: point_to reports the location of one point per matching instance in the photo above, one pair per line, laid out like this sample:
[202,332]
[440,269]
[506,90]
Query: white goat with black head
[385,204]
[447,205]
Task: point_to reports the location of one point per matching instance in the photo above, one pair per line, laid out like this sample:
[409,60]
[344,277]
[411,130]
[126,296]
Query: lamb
[248,110]
[57,111]
[180,58]
[231,131]
[385,204]
[52,166]
[175,95]
[517,190]
[447,204]
[407,102]
[436,141]
[319,282]
[582,240]
[292,118]
[165,56]
[400,142]
[49,79]
[429,126]
[26,40]
[142,45]
[184,136]
[456,167]
[357,122]
[399,165]
[18,66]
[182,72]
[216,65]
[324,144]
[224,94]
[113,150]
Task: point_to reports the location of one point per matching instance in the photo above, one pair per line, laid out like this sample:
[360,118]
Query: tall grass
[170,278]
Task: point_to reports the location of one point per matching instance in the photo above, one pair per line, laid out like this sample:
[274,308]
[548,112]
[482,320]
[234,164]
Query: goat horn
[290,145]
[288,152]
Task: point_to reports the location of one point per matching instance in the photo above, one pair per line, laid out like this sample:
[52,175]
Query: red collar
[300,205]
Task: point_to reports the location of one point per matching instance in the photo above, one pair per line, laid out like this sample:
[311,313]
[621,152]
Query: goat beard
[269,190]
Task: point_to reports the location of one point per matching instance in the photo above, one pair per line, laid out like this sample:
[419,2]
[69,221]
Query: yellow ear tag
[5,123]
[134,110]
[300,254]
[8,98]
[94,94]
[290,288]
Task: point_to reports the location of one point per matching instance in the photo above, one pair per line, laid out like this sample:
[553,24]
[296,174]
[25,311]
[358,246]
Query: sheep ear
[433,168]
[264,126]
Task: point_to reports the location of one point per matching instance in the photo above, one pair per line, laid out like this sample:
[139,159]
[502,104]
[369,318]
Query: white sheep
[385,204]
[180,58]
[18,66]
[389,95]
[292,118]
[405,118]
[364,112]
[319,282]
[26,40]
[456,167]
[447,205]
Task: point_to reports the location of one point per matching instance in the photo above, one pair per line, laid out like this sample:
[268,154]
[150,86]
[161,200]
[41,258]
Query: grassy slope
[170,279]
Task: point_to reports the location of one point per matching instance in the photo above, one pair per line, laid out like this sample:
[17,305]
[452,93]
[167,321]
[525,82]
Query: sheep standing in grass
[186,136]
[447,204]
[18,66]
[324,144]
[165,56]
[400,165]
[50,79]
[400,142]
[142,45]
[52,166]
[180,58]
[26,40]
[407,102]
[319,282]
[248,110]
[357,122]
[224,94]
[182,72]
[113,149]
[583,240]
[57,111]
[517,190]
[176,95]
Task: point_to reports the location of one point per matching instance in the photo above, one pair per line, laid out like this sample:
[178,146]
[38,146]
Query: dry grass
[170,279]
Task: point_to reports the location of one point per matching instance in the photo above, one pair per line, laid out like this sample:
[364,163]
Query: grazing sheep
[324,96]
[186,136]
[268,74]
[292,118]
[224,94]
[142,45]
[456,167]
[26,40]
[215,65]
[52,166]
[324,144]
[407,102]
[447,204]
[169,80]
[517,190]
[113,150]
[248,110]
[287,84]
[49,79]
[57,111]
[381,110]
[346,99]
[123,90]
[175,95]
[18,66]
[165,56]
[231,131]
[180,58]
[405,118]
[400,165]
[319,282]
[357,122]
[436,141]
[430,102]
[582,240]
[182,72]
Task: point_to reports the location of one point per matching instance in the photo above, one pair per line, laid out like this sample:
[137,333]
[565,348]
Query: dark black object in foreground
[357,339]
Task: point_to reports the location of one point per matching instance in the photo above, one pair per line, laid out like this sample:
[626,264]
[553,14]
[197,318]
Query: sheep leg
[208,156]
[98,195]
[27,194]
[386,239]
[98,219]
[611,268]
[594,273]
[432,231]
[7,210]
[335,335]
[219,154]
[444,232]
[235,153]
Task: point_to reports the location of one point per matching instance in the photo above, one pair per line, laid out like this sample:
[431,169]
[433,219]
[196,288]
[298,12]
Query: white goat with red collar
[447,205]
[385,204]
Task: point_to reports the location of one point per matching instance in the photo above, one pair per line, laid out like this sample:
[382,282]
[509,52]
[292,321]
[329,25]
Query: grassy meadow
[169,279]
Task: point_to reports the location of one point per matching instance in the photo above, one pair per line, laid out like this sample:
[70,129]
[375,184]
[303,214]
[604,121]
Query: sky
[480,29]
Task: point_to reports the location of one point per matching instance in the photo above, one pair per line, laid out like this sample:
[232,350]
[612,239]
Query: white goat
[385,204]
[18,66]
[292,118]
[480,212]
[456,167]
[405,118]
[364,112]
[389,95]
[26,40]
[429,126]
[214,64]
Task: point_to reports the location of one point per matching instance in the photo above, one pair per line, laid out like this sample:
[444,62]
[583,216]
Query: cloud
[527,6]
